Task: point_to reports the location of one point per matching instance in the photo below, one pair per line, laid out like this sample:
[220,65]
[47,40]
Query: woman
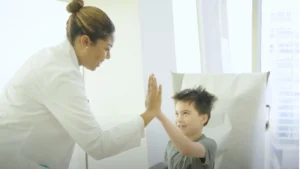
[44,110]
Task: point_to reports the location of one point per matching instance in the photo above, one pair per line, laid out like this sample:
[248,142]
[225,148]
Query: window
[280,55]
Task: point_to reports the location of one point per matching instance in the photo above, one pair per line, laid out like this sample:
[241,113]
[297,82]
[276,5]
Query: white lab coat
[44,111]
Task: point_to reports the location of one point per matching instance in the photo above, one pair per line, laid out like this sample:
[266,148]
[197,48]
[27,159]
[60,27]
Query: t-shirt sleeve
[166,157]
[166,152]
[210,151]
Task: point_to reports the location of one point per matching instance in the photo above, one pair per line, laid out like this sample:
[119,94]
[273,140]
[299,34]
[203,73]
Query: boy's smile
[181,127]
[188,120]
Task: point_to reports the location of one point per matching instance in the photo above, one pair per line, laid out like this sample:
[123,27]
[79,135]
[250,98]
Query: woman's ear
[85,41]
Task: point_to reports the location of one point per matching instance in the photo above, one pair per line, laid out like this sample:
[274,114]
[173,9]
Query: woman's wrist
[148,116]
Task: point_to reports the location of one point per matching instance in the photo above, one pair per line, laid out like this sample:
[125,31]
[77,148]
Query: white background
[27,26]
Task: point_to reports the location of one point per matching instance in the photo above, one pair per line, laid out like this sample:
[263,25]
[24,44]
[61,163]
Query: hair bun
[75,6]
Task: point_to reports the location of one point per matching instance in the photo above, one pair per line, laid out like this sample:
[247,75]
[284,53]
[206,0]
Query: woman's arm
[65,98]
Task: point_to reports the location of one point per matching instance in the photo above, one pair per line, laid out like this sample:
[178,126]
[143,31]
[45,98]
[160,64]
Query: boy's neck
[196,136]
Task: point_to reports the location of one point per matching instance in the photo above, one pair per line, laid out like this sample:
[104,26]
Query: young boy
[188,148]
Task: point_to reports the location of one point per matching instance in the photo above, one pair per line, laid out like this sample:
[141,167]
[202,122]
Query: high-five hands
[153,99]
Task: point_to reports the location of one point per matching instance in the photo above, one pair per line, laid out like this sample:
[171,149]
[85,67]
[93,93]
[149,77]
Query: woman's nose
[107,55]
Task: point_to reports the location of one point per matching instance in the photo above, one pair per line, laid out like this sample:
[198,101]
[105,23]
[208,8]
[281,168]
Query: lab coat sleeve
[65,98]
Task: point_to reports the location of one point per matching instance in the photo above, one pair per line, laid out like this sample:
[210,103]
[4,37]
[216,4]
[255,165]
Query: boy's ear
[204,118]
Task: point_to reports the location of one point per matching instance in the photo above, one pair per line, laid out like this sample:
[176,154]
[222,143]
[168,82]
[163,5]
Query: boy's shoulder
[170,144]
[207,142]
[206,139]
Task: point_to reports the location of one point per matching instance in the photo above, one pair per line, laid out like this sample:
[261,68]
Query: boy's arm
[184,145]
[211,148]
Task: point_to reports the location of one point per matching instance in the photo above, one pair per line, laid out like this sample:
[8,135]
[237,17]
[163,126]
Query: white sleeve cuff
[141,126]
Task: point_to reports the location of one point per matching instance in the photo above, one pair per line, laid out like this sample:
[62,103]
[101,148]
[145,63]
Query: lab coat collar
[67,47]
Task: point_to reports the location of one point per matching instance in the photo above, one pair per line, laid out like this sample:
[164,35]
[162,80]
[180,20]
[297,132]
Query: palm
[153,98]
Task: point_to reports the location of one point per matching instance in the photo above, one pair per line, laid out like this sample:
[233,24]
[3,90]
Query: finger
[159,90]
[154,84]
[149,82]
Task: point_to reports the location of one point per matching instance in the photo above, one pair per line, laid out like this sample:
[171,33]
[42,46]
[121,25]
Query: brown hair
[88,20]
[203,100]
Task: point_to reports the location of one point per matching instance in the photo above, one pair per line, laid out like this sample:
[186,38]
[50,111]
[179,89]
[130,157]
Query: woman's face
[92,55]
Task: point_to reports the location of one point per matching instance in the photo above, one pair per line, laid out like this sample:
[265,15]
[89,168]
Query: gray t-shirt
[175,160]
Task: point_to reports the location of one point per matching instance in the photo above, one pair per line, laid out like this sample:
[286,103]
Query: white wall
[158,51]
[210,36]
[116,90]
[225,35]
[240,35]
[186,36]
[32,24]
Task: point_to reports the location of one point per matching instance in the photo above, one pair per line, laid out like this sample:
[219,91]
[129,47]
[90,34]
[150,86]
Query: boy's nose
[179,120]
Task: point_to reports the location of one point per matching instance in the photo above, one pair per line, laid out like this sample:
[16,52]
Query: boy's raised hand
[153,98]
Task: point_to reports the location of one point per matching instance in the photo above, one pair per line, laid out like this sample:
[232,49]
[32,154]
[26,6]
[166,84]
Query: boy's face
[188,119]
